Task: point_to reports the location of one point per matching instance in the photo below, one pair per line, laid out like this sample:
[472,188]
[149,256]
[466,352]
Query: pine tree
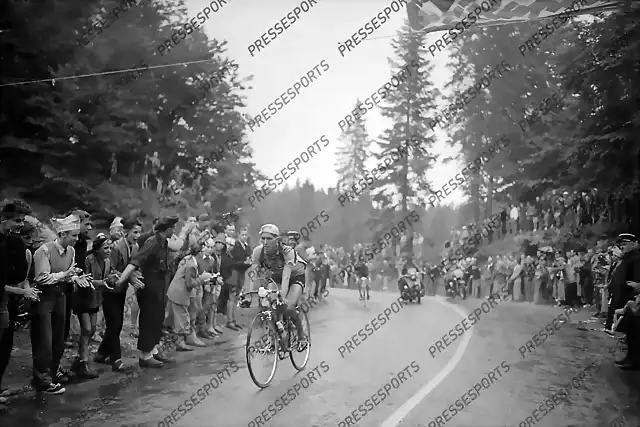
[408,107]
[352,154]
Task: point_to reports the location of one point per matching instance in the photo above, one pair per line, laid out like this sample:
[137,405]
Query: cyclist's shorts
[300,280]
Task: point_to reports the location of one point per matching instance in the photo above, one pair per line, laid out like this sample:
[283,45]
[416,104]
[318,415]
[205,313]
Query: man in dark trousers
[241,256]
[627,269]
[154,263]
[110,351]
[15,261]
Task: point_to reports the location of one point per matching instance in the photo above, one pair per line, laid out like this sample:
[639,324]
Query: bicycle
[281,335]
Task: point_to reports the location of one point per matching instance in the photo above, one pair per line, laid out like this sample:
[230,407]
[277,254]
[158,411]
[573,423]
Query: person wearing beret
[153,261]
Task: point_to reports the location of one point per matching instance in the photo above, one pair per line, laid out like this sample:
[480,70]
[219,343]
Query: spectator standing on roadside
[186,285]
[146,171]
[87,301]
[514,217]
[55,272]
[627,269]
[15,263]
[113,301]
[240,255]
[154,263]
[206,319]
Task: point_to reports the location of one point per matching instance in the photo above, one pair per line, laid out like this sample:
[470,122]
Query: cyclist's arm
[286,275]
[253,273]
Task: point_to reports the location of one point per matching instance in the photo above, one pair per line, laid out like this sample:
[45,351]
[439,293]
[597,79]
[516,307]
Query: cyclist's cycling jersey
[276,262]
[362,270]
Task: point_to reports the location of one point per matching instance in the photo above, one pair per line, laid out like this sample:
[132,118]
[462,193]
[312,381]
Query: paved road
[395,363]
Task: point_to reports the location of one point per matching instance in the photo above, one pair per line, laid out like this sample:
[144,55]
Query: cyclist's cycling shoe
[303,344]
[368,297]
[325,293]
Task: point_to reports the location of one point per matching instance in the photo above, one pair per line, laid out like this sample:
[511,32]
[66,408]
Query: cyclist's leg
[360,287]
[368,287]
[293,296]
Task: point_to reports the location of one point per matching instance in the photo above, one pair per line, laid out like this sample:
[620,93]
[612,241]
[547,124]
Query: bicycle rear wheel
[266,344]
[299,359]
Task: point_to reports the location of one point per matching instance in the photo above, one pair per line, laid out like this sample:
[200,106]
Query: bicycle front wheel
[298,358]
[262,351]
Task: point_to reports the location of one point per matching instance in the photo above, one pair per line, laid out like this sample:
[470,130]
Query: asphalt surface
[480,379]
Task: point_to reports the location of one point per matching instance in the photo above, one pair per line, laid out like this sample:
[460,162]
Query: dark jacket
[13,262]
[237,257]
[627,269]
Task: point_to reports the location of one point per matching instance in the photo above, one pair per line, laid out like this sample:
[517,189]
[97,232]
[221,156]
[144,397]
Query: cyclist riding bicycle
[362,273]
[286,268]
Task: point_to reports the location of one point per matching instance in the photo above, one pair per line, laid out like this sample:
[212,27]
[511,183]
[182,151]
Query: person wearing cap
[55,276]
[113,301]
[286,268]
[153,261]
[87,301]
[627,269]
[15,263]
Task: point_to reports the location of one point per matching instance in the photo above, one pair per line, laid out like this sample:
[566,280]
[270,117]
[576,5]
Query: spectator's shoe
[119,366]
[205,335]
[237,325]
[212,332]
[62,376]
[163,359]
[82,369]
[193,341]
[183,347]
[231,326]
[52,388]
[218,330]
[105,360]
[150,363]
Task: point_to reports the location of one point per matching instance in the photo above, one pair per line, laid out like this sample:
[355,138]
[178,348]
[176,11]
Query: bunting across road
[439,15]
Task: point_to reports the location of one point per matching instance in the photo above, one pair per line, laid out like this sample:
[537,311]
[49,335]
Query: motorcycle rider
[408,279]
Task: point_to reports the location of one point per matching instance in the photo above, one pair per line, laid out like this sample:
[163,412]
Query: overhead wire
[104,73]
